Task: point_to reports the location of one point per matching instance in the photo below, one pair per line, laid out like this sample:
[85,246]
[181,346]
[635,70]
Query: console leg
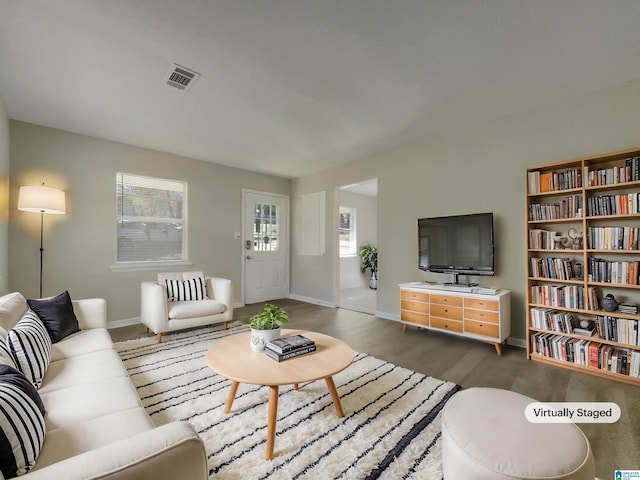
[404,327]
[498,349]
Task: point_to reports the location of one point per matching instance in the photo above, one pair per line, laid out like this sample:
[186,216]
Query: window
[266,226]
[347,229]
[151,220]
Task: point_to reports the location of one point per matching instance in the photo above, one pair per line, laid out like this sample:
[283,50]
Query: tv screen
[460,244]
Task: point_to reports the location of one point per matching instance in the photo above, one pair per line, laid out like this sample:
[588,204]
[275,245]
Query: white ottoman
[485,435]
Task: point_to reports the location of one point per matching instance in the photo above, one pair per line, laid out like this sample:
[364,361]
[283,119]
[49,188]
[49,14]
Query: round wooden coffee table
[232,358]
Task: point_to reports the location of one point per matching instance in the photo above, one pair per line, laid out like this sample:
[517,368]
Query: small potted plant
[265,326]
[369,261]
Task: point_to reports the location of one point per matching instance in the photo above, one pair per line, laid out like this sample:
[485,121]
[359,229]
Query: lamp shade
[41,199]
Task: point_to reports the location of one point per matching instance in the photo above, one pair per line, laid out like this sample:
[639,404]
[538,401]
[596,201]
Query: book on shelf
[588,353]
[289,343]
[587,332]
[280,357]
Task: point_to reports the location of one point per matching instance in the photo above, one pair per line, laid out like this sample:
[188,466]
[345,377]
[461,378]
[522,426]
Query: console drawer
[446,300]
[414,306]
[481,304]
[416,296]
[445,324]
[481,315]
[446,311]
[482,328]
[414,317]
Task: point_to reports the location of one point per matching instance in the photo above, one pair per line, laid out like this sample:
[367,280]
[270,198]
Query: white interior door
[266,246]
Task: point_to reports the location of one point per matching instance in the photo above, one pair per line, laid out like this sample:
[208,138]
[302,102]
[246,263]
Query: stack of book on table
[289,347]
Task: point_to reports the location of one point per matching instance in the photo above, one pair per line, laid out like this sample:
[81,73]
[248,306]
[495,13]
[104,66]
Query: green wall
[80,246]
[469,170]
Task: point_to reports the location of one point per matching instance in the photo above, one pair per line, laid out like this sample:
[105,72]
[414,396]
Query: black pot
[609,303]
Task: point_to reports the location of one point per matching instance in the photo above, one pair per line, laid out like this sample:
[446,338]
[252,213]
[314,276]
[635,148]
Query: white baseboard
[315,301]
[125,322]
[238,305]
[517,342]
[387,315]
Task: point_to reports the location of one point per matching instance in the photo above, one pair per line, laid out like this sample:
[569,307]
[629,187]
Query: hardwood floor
[470,363]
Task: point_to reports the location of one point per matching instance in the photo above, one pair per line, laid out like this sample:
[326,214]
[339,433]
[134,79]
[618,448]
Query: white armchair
[162,314]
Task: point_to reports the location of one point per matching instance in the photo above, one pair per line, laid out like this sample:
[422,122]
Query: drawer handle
[446,310]
[446,326]
[481,325]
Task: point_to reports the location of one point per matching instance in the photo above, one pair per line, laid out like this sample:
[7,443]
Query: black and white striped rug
[391,427]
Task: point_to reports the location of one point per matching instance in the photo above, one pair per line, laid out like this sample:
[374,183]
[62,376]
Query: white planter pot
[259,338]
[373,282]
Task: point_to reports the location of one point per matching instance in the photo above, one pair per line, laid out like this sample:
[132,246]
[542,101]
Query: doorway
[265,246]
[357,226]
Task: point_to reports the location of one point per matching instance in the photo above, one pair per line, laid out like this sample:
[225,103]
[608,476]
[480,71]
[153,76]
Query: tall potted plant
[369,261]
[265,326]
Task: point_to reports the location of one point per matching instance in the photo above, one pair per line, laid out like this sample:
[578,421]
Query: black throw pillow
[57,315]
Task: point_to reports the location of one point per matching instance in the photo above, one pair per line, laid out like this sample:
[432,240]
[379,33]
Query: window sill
[146,266]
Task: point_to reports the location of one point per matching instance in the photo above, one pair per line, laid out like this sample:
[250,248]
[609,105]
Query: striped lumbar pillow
[22,426]
[181,290]
[30,347]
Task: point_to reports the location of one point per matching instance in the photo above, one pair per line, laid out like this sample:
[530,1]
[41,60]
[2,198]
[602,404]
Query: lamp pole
[41,247]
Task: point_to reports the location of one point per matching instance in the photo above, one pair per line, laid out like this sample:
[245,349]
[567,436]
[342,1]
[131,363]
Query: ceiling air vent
[180,77]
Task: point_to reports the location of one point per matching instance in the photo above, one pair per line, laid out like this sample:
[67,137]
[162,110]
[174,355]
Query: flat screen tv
[457,244]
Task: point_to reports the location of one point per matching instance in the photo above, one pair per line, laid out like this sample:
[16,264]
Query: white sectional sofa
[96,426]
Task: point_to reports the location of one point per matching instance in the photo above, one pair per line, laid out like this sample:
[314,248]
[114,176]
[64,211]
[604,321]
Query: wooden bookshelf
[598,199]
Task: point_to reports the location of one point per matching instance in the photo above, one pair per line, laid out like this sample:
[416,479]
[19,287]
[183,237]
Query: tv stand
[482,317]
[457,283]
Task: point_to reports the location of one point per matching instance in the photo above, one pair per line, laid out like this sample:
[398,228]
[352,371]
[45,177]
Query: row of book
[551,267]
[606,271]
[569,207]
[623,330]
[542,239]
[588,353]
[540,182]
[622,204]
[613,238]
[629,172]
[292,346]
[565,296]
[550,319]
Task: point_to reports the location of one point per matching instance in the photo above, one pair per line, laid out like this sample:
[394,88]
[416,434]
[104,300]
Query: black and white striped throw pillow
[22,426]
[5,355]
[181,290]
[30,347]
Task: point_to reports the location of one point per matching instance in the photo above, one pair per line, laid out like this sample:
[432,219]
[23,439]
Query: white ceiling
[290,87]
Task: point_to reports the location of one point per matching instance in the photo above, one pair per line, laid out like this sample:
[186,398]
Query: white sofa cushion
[30,347]
[85,341]
[22,426]
[200,308]
[12,307]
[80,369]
[64,442]
[86,401]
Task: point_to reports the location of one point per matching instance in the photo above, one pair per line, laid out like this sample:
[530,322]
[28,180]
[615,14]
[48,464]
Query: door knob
[248,257]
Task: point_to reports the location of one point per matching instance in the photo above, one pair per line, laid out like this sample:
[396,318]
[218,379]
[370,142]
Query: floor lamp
[41,199]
